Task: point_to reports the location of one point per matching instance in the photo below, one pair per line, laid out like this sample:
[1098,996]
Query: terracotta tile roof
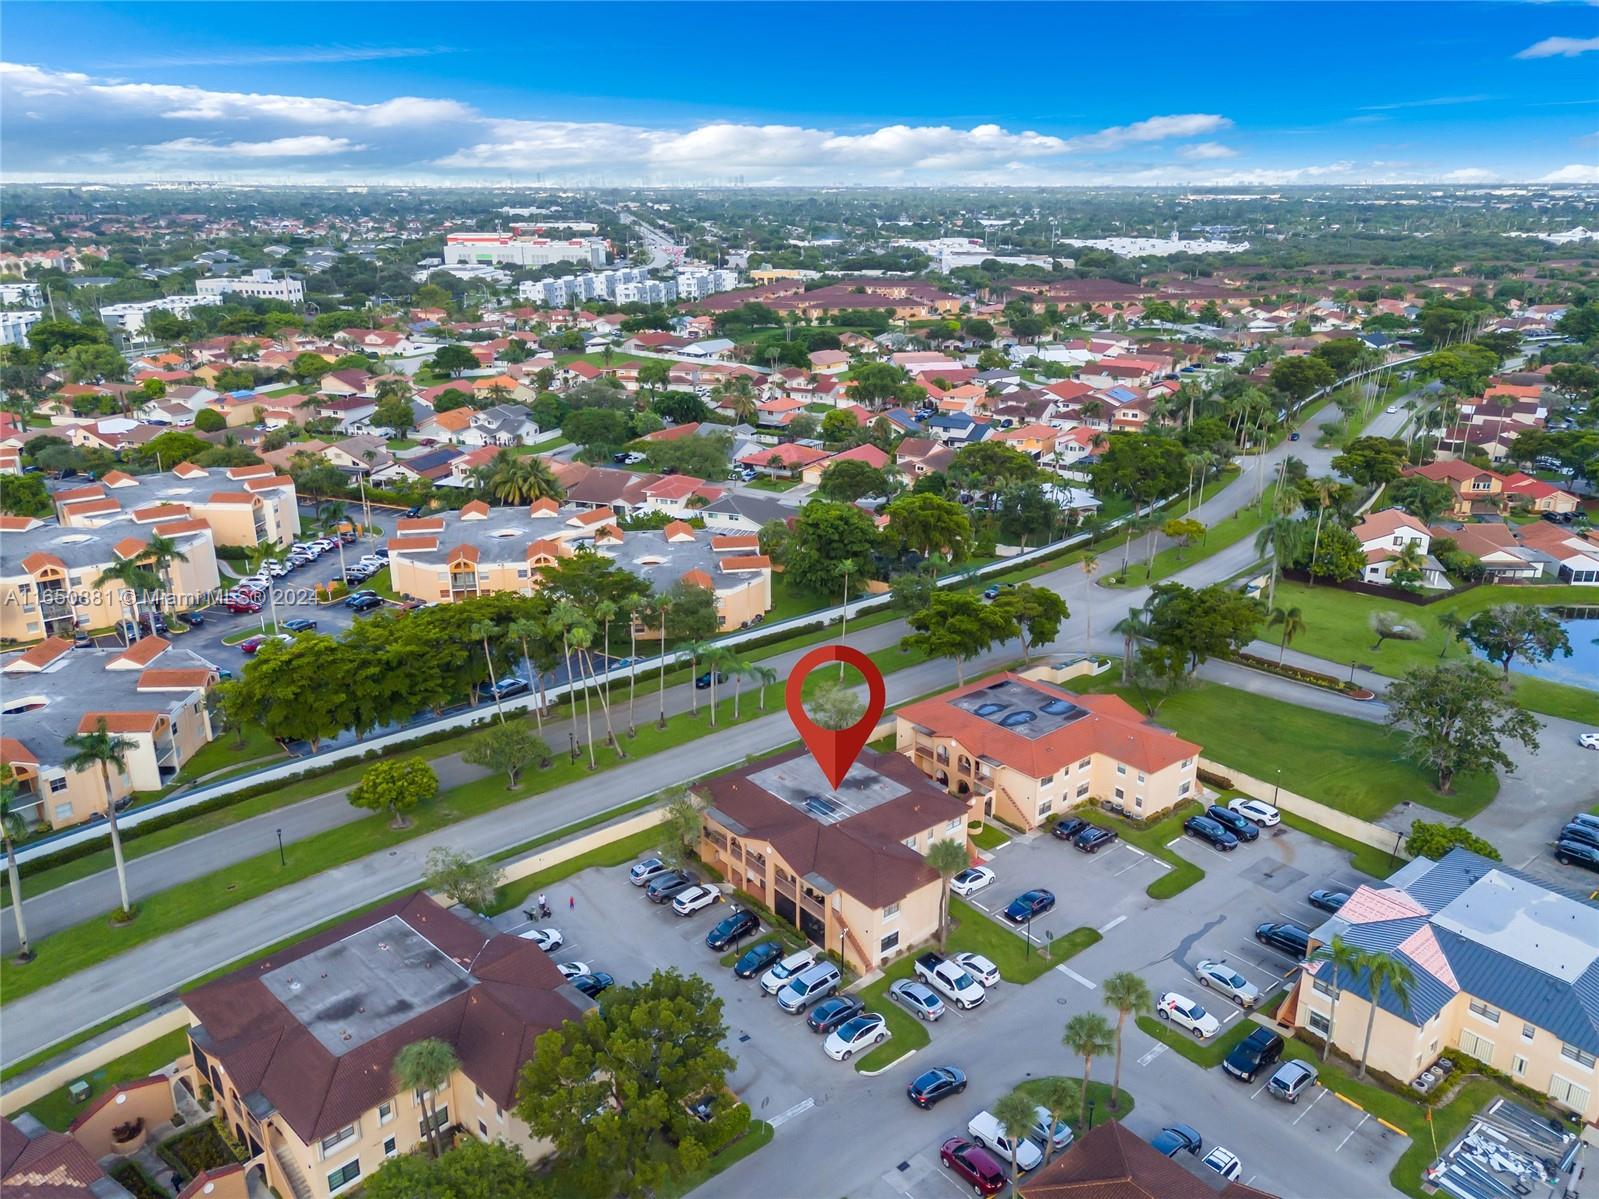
[253,471]
[14,753]
[120,722]
[424,544]
[452,421]
[204,1182]
[698,578]
[142,652]
[232,497]
[92,507]
[475,508]
[268,482]
[129,547]
[464,553]
[152,512]
[1109,1162]
[1112,727]
[1388,522]
[543,507]
[174,680]
[677,529]
[746,563]
[40,656]
[188,470]
[741,541]
[593,517]
[117,478]
[93,491]
[37,561]
[193,525]
[19,524]
[420,524]
[49,1166]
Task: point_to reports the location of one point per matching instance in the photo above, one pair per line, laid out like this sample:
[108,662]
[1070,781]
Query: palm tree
[1344,959]
[425,1067]
[659,607]
[1130,996]
[1382,969]
[135,578]
[740,669]
[1323,491]
[562,617]
[1089,1035]
[1056,1095]
[737,395]
[1090,567]
[1132,627]
[1016,1114]
[845,567]
[715,659]
[483,630]
[949,858]
[765,676]
[523,478]
[605,612]
[12,828]
[160,554]
[101,748]
[1409,561]
[1451,624]
[521,629]
[1197,464]
[631,610]
[1292,621]
[696,651]
[580,635]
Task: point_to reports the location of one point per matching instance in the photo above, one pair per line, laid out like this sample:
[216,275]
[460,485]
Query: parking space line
[1233,1015]
[1072,974]
[1105,928]
[1174,843]
[1364,1116]
[804,1105]
[1134,849]
[1160,1048]
[1126,868]
[981,906]
[1260,1088]
[1313,1103]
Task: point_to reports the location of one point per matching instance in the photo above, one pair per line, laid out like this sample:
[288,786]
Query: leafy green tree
[851,480]
[1457,716]
[471,882]
[680,827]
[1435,840]
[1185,531]
[474,1169]
[611,1090]
[1371,460]
[1037,611]
[1423,498]
[1212,621]
[1025,511]
[101,750]
[24,495]
[1128,995]
[509,748]
[1140,467]
[824,535]
[1341,355]
[1297,378]
[839,426]
[834,705]
[700,457]
[877,384]
[597,428]
[1016,1115]
[452,360]
[1338,556]
[987,466]
[1088,1035]
[395,786]
[209,420]
[930,525]
[394,415]
[1506,632]
[425,1067]
[958,625]
[914,589]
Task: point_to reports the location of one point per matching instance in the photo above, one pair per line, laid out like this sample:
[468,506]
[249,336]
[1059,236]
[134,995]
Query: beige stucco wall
[136,1035]
[151,1103]
[1331,818]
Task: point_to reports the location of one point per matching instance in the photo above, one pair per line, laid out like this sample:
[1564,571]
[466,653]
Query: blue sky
[841,93]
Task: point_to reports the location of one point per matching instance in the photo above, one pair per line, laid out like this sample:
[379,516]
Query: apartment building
[1025,751]
[1505,968]
[298,1049]
[48,571]
[258,285]
[845,865]
[486,551]
[242,505]
[130,317]
[506,249]
[149,694]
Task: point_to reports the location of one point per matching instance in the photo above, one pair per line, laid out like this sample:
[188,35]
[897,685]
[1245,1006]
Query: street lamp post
[1351,672]
[1090,1127]
[282,861]
[1278,787]
[1029,952]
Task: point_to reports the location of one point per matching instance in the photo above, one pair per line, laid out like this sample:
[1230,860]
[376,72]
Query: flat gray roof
[1014,706]
[799,782]
[1530,923]
[374,980]
[79,547]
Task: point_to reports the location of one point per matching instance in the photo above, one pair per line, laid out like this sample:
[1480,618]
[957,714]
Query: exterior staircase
[291,1171]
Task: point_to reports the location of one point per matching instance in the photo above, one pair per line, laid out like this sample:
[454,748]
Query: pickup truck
[950,979]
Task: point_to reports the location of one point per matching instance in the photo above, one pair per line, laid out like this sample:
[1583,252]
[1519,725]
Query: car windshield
[854,1028]
[1233,980]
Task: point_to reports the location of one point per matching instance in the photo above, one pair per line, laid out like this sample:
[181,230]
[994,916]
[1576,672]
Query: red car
[238,604]
[974,1164]
[250,644]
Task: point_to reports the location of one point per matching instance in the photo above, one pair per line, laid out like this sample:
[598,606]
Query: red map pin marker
[835,750]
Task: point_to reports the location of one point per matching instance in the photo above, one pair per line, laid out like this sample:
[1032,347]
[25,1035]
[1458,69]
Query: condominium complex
[626,285]
[258,285]
[242,505]
[130,317]
[508,249]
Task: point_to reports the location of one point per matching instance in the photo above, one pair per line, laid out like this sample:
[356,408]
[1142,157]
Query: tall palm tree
[1056,1095]
[605,612]
[631,610]
[1129,995]
[160,554]
[580,635]
[949,858]
[521,630]
[660,605]
[1323,491]
[1132,627]
[425,1067]
[136,578]
[1089,1035]
[1344,959]
[1016,1114]
[484,631]
[696,651]
[103,749]
[1451,624]
[845,567]
[740,669]
[737,395]
[1382,970]
[12,828]
[1410,562]
[765,676]
[561,619]
[1198,464]
[1090,567]
[1292,622]
[715,659]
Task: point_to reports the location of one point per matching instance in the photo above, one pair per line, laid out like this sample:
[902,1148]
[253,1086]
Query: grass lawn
[1098,1095]
[991,837]
[774,484]
[907,1031]
[57,1110]
[976,933]
[756,1136]
[224,753]
[1246,522]
[1337,627]
[613,853]
[1208,1054]
[1350,764]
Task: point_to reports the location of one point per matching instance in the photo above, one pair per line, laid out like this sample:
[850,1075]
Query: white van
[775,979]
[988,1133]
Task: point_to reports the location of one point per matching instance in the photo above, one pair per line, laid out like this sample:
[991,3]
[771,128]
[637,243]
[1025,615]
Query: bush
[133,1179]
[1435,840]
[203,1148]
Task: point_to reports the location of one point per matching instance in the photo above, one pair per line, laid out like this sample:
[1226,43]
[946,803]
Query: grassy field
[1208,1054]
[976,933]
[1351,764]
[57,1110]
[1098,1095]
[992,836]
[1246,522]
[1337,627]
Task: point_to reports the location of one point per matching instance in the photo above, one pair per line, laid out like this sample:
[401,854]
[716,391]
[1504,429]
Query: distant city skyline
[803,95]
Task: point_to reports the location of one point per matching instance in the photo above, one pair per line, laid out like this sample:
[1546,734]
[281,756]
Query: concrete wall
[133,1036]
[543,859]
[1349,826]
[152,1102]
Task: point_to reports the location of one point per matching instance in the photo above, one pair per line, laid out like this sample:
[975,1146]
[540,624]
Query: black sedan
[1577,853]
[757,958]
[1028,905]
[830,1013]
[1239,826]
[363,603]
[300,625]
[1067,827]
[1328,901]
[592,984]
[736,925]
[1211,833]
[938,1083]
[1094,838]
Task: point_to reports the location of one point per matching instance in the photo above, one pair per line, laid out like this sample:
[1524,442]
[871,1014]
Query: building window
[1321,985]
[1528,1032]
[1567,1093]
[888,943]
[483,1130]
[1082,790]
[1574,1054]
[954,826]
[1045,805]
[910,842]
[390,1148]
[1485,1011]
[63,812]
[1140,776]
[1480,1048]
[385,1111]
[479,1092]
[1120,769]
[1318,1024]
[344,1175]
[1046,780]
[334,1140]
[891,911]
[59,783]
[1183,788]
[440,1119]
[1085,763]
[1187,762]
[1518,1065]
[1120,794]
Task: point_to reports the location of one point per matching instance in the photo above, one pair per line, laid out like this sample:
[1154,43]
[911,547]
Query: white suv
[775,979]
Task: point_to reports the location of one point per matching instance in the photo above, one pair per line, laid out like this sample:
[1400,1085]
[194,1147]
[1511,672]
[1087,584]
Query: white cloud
[1206,151]
[1560,47]
[1430,102]
[311,145]
[1577,172]
[1154,129]
[1469,175]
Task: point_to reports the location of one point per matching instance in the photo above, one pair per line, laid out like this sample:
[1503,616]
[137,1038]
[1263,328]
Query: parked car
[775,979]
[1210,832]
[571,970]
[830,1013]
[980,968]
[239,605]
[251,644]
[1284,938]
[1094,838]
[974,1165]
[1177,1138]
[649,868]
[667,886]
[971,880]
[1239,826]
[1327,901]
[299,625]
[809,985]
[1577,853]
[732,928]
[757,958]
[1029,904]
[1588,740]
[507,687]
[1185,1013]
[194,619]
[547,939]
[1587,818]
[693,899]
[1220,977]
[987,1131]
[1583,834]
[1067,827]
[918,999]
[592,984]
[1253,1054]
[927,1088]
[950,979]
[1225,1162]
[1046,1132]
[1256,810]
[1291,1081]
[854,1035]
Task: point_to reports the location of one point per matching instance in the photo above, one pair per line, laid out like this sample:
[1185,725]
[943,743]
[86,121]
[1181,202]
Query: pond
[1582,668]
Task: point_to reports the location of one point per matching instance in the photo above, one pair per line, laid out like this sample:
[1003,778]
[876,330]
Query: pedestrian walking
[571,903]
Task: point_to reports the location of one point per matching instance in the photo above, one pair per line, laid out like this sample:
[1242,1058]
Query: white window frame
[334,1190]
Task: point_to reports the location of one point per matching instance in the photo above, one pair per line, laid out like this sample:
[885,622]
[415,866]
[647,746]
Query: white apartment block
[131,317]
[506,249]
[259,285]
[626,285]
[697,284]
[14,326]
[21,293]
